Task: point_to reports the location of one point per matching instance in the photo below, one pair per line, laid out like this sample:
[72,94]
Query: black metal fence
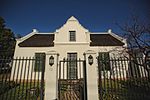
[22,78]
[124,79]
[19,80]
[72,80]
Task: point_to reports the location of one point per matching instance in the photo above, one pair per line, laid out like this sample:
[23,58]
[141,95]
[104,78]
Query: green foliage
[7,39]
[22,91]
[130,89]
[5,86]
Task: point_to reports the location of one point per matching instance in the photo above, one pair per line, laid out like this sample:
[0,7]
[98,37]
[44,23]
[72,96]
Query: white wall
[72,24]
[62,45]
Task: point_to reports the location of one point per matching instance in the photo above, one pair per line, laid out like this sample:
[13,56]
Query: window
[39,62]
[72,35]
[72,66]
[104,61]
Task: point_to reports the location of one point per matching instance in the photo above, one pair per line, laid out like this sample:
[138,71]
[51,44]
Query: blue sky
[48,15]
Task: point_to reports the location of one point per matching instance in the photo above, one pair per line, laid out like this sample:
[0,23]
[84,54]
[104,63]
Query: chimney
[35,30]
[109,31]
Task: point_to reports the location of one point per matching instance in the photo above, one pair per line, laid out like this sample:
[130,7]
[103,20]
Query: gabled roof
[38,40]
[46,40]
[72,18]
[104,40]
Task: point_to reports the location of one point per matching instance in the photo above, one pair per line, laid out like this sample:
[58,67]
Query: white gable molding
[29,35]
[119,38]
[26,37]
[112,34]
[116,36]
[72,18]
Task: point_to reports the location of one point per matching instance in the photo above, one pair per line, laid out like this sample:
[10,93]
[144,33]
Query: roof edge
[29,35]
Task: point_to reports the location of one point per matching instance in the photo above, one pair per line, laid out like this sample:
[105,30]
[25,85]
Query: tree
[137,34]
[18,36]
[7,40]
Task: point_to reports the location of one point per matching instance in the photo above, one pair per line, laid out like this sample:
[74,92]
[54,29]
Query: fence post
[51,84]
[92,75]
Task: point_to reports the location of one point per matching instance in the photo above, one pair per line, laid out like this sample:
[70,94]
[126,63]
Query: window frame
[72,36]
[39,61]
[72,66]
[104,59]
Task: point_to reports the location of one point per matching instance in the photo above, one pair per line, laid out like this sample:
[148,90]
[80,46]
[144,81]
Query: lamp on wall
[51,60]
[90,59]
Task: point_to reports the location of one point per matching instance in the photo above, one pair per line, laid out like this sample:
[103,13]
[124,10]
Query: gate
[123,79]
[72,80]
[22,78]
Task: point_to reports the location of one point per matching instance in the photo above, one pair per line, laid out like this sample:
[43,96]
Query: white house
[72,37]
[71,41]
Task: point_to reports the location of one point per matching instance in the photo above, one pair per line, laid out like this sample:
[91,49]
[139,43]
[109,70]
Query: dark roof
[38,40]
[104,40]
[46,40]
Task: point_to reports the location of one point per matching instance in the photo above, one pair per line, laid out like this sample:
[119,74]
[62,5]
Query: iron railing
[125,79]
[72,80]
[19,81]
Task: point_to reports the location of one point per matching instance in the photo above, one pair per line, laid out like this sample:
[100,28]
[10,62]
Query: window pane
[39,62]
[104,60]
[72,66]
[72,35]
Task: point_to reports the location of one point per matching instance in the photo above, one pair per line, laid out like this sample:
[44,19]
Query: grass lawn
[137,89]
[131,89]
[13,91]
